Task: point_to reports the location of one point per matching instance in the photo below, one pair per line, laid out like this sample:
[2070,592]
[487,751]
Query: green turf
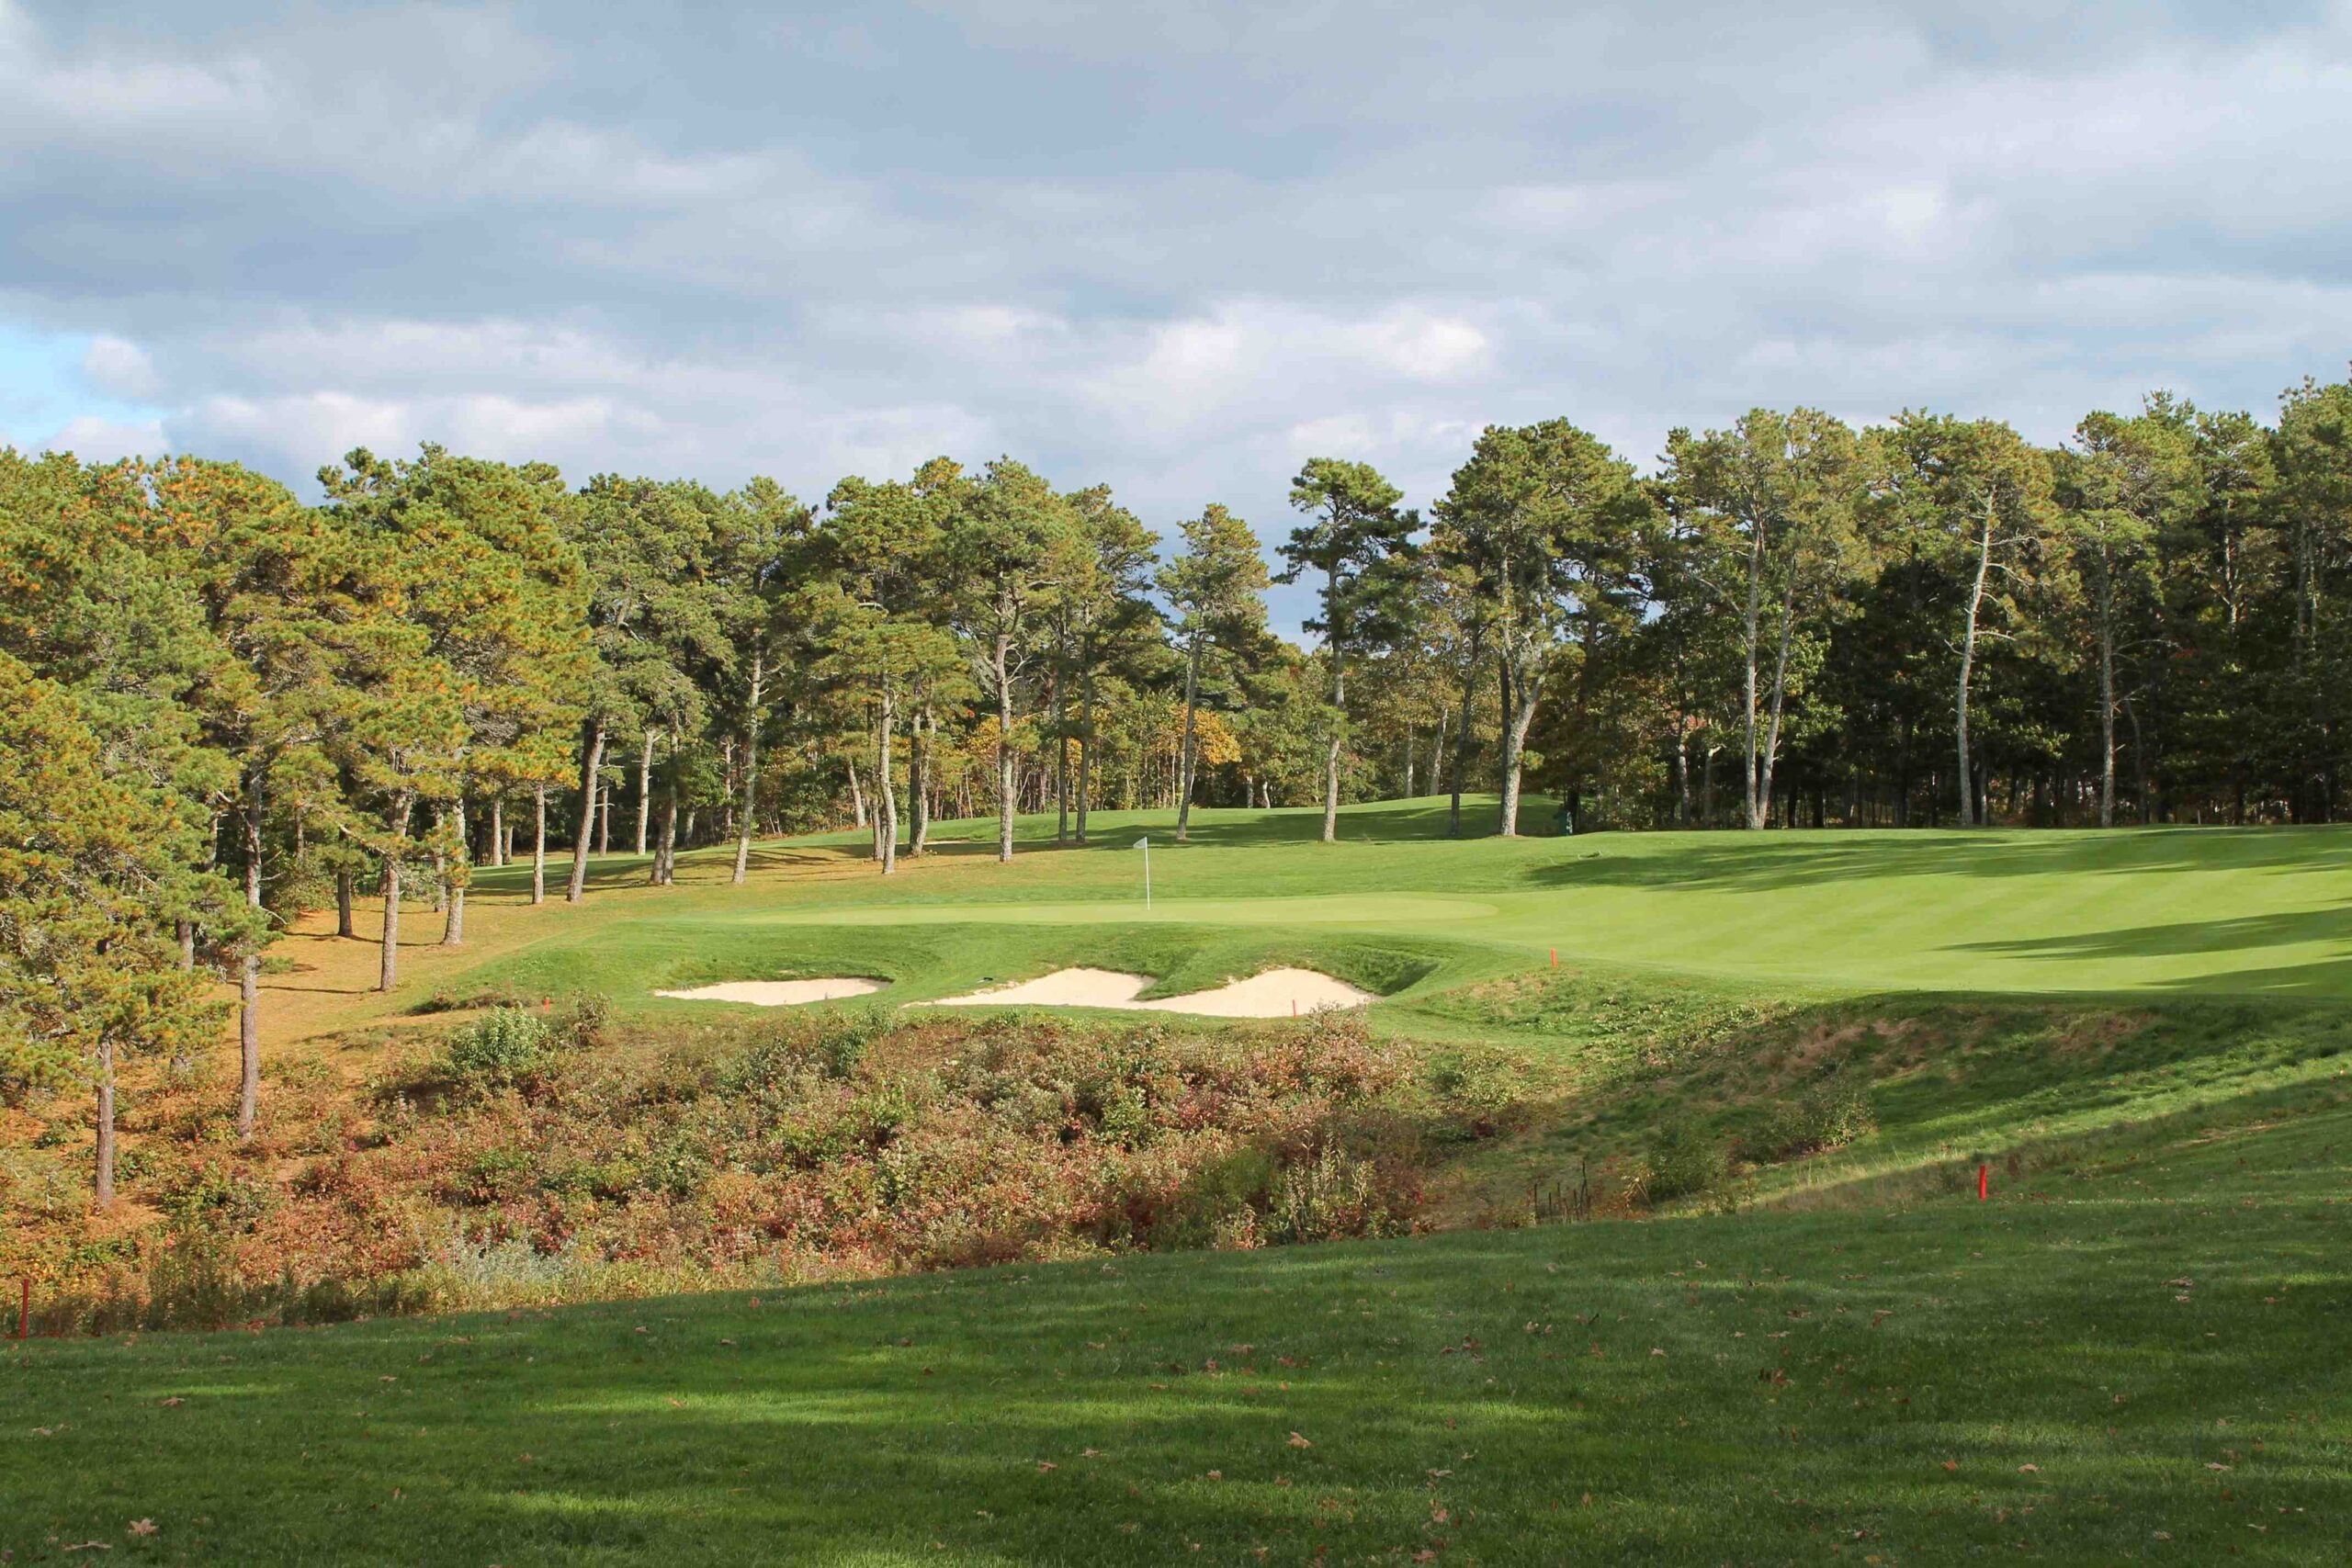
[2157,911]
[2134,1353]
[2141,1361]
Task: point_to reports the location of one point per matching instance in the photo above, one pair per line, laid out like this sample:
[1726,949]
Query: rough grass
[2136,1363]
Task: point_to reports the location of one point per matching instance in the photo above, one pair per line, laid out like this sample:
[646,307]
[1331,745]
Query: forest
[224,707]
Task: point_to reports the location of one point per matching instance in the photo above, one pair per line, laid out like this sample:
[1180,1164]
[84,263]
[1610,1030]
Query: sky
[1178,249]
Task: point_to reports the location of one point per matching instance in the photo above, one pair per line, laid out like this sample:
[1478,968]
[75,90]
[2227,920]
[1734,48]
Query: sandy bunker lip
[1274,993]
[780,993]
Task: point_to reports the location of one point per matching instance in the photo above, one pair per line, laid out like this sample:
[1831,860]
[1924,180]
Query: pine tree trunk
[453,932]
[1461,750]
[389,970]
[1528,693]
[1062,760]
[1085,742]
[751,774]
[644,787]
[885,803]
[248,969]
[603,818]
[497,830]
[2106,707]
[344,894]
[1184,762]
[1780,691]
[1681,768]
[440,864]
[591,769]
[539,844]
[920,730]
[102,1177]
[665,855]
[1967,666]
[1758,790]
[1002,663]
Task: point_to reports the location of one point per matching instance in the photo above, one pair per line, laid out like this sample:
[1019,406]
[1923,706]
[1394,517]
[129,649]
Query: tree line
[224,707]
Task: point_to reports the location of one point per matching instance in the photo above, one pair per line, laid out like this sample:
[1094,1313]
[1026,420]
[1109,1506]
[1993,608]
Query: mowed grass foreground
[2139,1362]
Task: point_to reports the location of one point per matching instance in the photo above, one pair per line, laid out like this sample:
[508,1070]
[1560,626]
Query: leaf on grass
[2028,1470]
[142,1526]
[175,1399]
[1298,1442]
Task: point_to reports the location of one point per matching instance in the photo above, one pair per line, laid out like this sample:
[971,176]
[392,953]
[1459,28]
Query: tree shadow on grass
[1453,1396]
[1773,860]
[2330,976]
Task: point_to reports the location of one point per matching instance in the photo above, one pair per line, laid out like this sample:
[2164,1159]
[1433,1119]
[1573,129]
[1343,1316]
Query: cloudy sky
[1177,248]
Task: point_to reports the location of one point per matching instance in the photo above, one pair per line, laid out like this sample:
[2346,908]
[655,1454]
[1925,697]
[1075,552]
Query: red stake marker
[1983,1182]
[1555,958]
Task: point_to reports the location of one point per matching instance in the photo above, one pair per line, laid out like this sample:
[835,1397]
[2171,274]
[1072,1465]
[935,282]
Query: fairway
[2146,911]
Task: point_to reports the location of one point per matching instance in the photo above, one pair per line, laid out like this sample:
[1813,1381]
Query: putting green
[2151,911]
[1402,910]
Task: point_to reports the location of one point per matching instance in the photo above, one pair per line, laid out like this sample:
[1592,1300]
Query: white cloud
[1174,253]
[119,368]
[95,440]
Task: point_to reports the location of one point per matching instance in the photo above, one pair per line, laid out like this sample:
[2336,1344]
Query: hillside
[1791,1328]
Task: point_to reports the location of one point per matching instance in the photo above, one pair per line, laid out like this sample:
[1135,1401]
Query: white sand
[1062,989]
[1277,993]
[780,993]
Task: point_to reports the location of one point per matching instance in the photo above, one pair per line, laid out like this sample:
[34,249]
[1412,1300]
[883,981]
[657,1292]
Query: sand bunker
[1277,993]
[780,993]
[1062,989]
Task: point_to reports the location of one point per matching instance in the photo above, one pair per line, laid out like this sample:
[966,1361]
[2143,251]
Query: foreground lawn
[2140,1361]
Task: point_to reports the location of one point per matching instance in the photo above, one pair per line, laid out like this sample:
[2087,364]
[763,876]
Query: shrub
[505,1047]
[1218,1205]
[1684,1158]
[1477,1088]
[1328,1198]
[1829,1116]
[588,1018]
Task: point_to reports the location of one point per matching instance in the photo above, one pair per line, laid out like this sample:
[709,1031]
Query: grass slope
[2156,910]
[2131,1355]
[2138,1362]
